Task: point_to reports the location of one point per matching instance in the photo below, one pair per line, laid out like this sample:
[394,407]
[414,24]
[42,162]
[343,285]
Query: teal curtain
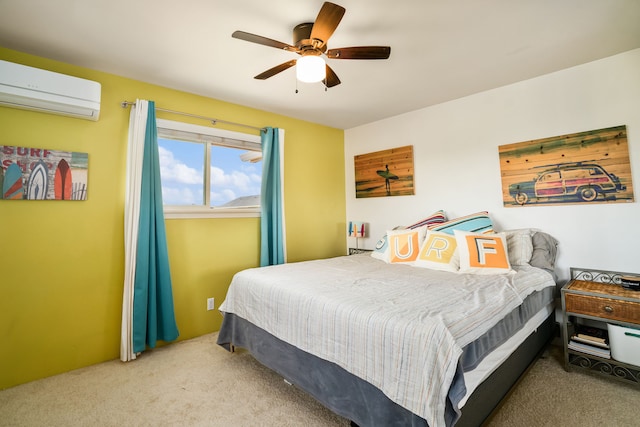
[272,246]
[153,313]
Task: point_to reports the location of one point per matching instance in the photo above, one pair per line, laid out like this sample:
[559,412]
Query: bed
[386,344]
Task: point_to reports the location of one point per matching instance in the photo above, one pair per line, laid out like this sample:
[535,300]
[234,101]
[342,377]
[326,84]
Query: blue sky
[181,166]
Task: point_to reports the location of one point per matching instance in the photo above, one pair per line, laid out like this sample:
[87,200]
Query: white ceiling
[440,49]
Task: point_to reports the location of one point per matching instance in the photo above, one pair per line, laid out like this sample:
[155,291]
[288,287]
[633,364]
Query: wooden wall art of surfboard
[12,187]
[38,182]
[62,182]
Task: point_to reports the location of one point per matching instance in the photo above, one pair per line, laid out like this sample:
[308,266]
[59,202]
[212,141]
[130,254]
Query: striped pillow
[520,245]
[437,217]
[476,223]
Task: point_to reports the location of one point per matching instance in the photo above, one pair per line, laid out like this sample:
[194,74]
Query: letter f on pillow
[489,251]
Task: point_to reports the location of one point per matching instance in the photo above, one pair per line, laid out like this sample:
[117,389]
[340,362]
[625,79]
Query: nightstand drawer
[625,311]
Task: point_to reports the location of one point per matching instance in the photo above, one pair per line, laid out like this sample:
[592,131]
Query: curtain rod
[126,104]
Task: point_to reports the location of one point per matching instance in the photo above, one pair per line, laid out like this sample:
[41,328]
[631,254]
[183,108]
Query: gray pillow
[545,248]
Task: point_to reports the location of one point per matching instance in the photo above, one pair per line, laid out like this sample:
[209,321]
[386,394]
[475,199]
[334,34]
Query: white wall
[457,167]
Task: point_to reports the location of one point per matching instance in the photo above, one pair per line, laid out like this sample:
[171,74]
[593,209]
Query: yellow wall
[62,264]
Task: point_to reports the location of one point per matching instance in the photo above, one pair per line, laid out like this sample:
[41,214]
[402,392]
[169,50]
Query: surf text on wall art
[41,174]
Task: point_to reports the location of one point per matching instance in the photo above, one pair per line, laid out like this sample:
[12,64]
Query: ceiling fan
[310,42]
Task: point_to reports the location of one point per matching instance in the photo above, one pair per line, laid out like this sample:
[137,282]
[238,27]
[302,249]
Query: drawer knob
[608,309]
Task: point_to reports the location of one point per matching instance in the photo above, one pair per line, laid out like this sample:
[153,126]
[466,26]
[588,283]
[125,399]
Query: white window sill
[201,212]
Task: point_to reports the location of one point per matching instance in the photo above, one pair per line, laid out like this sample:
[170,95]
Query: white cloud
[174,170]
[222,197]
[180,196]
[237,180]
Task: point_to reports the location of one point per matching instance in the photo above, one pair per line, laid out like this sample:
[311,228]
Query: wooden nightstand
[597,298]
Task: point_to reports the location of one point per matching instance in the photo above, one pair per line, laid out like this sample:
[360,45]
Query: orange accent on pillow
[486,252]
[404,245]
[483,253]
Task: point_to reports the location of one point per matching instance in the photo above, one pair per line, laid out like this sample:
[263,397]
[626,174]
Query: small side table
[597,295]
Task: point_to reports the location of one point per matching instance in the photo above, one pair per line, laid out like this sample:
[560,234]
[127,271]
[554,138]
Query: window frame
[209,134]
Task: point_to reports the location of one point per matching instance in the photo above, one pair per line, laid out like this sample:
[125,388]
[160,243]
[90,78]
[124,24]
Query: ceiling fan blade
[360,52]
[326,22]
[332,79]
[275,70]
[262,40]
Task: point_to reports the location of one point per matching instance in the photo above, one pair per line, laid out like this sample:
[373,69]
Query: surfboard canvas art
[38,182]
[63,182]
[42,174]
[12,187]
[385,173]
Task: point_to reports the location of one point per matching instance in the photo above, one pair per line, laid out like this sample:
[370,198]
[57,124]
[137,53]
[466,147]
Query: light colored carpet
[197,383]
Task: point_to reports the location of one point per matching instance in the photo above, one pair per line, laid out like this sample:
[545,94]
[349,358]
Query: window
[208,172]
[551,176]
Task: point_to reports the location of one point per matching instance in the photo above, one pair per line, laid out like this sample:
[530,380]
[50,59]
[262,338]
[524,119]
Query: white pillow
[520,245]
[438,252]
[381,251]
[483,253]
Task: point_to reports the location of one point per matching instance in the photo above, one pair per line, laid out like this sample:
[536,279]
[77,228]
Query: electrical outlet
[211,303]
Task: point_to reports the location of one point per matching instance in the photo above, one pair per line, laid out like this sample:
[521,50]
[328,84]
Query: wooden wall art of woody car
[567,181]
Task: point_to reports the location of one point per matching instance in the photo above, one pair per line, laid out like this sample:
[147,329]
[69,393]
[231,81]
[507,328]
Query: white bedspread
[400,328]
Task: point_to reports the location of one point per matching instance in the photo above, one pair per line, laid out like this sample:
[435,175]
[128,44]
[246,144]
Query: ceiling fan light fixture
[311,69]
[310,42]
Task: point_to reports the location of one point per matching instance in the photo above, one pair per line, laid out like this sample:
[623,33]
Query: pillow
[520,245]
[404,245]
[438,252]
[477,223]
[381,250]
[482,253]
[435,218]
[544,251]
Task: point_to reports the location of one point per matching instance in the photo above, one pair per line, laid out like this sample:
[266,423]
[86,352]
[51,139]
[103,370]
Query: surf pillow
[438,252]
[404,245]
[482,253]
[381,250]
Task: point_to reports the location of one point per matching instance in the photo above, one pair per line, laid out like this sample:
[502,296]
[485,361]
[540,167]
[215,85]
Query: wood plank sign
[579,168]
[384,173]
[40,174]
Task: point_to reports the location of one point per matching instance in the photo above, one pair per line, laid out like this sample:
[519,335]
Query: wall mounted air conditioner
[48,92]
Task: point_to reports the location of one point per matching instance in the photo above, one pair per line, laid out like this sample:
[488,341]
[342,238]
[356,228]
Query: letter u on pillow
[404,245]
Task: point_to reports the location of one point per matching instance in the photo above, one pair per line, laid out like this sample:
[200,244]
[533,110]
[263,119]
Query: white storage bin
[625,344]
